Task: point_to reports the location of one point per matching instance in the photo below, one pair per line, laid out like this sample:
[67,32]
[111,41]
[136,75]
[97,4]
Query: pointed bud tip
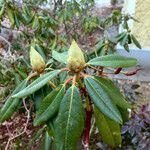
[36,60]
[76,61]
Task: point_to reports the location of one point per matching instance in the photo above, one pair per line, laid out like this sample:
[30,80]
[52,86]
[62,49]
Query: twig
[24,130]
[32,75]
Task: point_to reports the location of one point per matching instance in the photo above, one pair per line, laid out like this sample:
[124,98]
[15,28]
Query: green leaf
[129,39]
[11,104]
[135,41]
[70,120]
[49,106]
[120,36]
[40,50]
[101,99]
[37,84]
[109,129]
[50,61]
[2,10]
[36,136]
[17,23]
[124,114]
[61,57]
[47,141]
[38,96]
[114,61]
[126,47]
[124,40]
[113,92]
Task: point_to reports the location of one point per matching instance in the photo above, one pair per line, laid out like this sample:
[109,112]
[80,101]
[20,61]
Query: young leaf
[10,13]
[101,99]
[37,84]
[109,129]
[11,104]
[120,36]
[114,61]
[113,92]
[49,106]
[70,120]
[126,47]
[61,57]
[124,40]
[135,41]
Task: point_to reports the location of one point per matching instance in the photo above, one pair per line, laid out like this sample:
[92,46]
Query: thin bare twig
[12,137]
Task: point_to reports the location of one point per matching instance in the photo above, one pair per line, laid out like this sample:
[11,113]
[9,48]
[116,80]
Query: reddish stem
[132,72]
[117,71]
[64,69]
[87,129]
[68,80]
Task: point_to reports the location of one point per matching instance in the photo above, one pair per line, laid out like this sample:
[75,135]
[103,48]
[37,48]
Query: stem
[88,110]
[88,118]
[68,80]
[32,75]
[52,84]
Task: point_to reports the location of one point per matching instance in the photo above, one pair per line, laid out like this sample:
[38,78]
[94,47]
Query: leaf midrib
[102,100]
[69,114]
[122,98]
[109,61]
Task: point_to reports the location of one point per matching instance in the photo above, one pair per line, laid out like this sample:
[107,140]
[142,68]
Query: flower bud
[76,60]
[37,61]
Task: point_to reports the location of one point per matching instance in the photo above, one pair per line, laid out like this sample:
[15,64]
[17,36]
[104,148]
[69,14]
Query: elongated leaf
[37,84]
[61,57]
[109,129]
[47,141]
[49,106]
[36,136]
[114,61]
[124,40]
[101,99]
[113,92]
[120,36]
[70,120]
[11,104]
[126,47]
[124,114]
[38,96]
[135,41]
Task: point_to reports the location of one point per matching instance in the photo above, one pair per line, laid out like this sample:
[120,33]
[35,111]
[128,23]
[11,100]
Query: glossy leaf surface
[37,84]
[101,99]
[114,61]
[70,120]
[49,106]
[11,103]
[61,57]
[113,92]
